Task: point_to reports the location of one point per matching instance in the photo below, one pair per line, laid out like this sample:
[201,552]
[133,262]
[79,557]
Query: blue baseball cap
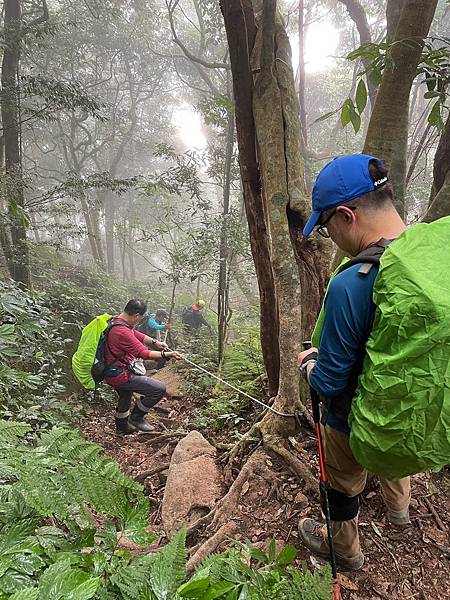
[341,180]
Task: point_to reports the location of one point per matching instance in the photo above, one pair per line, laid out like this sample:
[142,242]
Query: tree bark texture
[312,254]
[387,134]
[275,139]
[439,205]
[301,71]
[241,32]
[393,12]
[18,259]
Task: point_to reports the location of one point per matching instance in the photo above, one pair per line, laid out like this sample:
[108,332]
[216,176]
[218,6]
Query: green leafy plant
[244,368]
[32,351]
[64,509]
[247,572]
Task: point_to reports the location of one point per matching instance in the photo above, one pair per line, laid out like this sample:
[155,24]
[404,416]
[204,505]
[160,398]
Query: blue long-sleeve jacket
[153,324]
[349,315]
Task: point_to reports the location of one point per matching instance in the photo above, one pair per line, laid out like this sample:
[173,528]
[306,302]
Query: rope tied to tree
[236,389]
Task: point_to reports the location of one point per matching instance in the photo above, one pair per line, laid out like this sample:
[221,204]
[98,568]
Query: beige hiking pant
[347,476]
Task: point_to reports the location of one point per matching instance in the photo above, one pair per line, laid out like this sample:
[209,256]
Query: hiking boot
[137,419]
[124,427]
[400,518]
[311,534]
[140,423]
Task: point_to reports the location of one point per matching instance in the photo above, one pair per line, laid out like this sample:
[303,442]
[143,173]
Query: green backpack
[400,416]
[84,357]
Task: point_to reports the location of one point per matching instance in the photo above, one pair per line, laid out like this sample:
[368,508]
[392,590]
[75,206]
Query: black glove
[309,358]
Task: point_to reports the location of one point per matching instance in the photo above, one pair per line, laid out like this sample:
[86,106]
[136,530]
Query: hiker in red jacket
[123,347]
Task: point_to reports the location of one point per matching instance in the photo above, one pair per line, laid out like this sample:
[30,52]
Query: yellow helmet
[200,303]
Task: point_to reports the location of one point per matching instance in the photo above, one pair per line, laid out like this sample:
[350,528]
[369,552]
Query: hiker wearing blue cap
[353,205]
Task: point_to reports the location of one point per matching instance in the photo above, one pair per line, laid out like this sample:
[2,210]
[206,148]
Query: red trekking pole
[324,485]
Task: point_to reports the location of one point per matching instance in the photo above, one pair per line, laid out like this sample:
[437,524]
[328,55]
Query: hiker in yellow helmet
[192,317]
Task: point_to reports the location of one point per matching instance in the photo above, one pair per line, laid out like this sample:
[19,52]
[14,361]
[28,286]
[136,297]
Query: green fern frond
[169,567]
[11,431]
[64,473]
[131,580]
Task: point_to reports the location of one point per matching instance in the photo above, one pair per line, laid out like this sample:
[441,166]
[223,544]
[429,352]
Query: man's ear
[347,213]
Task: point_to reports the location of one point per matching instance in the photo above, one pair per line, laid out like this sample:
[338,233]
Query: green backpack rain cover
[400,417]
[83,359]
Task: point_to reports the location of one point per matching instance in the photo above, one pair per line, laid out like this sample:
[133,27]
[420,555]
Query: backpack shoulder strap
[368,257]
[108,329]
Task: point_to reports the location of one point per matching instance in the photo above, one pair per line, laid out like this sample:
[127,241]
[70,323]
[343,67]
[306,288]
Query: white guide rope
[238,390]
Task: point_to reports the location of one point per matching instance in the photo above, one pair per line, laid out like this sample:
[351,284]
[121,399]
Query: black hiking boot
[137,420]
[124,427]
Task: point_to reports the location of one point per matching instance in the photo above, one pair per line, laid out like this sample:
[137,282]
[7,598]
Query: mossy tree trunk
[241,31]
[387,134]
[294,262]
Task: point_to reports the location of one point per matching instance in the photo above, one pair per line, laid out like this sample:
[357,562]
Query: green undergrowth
[242,367]
[39,332]
[64,509]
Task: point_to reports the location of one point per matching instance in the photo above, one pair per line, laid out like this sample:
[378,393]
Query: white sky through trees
[320,49]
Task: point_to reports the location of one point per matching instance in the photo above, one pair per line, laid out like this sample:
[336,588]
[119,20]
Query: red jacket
[126,344]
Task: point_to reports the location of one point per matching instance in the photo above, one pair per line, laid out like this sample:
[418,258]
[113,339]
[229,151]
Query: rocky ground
[400,563]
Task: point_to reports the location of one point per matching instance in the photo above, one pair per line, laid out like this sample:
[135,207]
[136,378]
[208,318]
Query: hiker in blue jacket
[157,323]
[353,205]
[152,325]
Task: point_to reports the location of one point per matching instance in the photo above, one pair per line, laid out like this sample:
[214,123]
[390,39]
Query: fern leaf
[10,431]
[169,567]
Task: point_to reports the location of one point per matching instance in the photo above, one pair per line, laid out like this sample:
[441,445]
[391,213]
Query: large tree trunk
[393,12]
[240,28]
[301,71]
[110,216]
[89,218]
[312,254]
[274,148]
[95,220]
[387,134]
[19,260]
[130,247]
[439,204]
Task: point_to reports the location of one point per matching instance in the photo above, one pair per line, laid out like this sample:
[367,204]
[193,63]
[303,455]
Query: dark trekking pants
[151,390]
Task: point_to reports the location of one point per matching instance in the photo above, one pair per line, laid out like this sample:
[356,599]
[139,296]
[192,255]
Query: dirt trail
[404,564]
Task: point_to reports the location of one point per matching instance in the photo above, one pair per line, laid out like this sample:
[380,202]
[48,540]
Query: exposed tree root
[237,449]
[306,418]
[300,468]
[141,477]
[223,511]
[154,436]
[211,544]
[199,523]
[221,446]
